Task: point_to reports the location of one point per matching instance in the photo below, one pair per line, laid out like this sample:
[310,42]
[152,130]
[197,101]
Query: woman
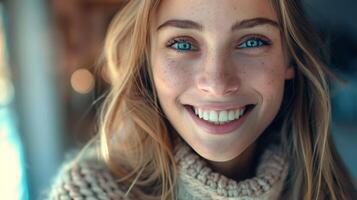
[212,99]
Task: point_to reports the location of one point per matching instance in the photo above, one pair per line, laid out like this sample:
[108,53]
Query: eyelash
[260,42]
[178,41]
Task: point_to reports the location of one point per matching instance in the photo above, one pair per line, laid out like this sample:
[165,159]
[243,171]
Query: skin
[218,67]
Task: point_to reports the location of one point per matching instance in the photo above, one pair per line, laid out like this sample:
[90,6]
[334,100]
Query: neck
[239,168]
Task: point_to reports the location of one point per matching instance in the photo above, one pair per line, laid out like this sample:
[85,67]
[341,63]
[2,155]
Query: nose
[218,77]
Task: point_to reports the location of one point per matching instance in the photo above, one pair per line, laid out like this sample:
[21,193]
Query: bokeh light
[82,81]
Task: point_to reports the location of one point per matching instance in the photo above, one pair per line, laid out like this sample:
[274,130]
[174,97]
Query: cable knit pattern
[199,182]
[87,180]
[91,179]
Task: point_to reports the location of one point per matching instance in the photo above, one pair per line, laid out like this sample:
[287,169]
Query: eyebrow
[184,24]
[244,24]
[250,23]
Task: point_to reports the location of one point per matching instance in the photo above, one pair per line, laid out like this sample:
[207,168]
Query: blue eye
[252,43]
[182,45]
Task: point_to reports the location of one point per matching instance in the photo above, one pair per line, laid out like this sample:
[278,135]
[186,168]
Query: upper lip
[220,106]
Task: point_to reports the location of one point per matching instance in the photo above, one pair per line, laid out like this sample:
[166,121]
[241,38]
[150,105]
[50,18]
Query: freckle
[171,62]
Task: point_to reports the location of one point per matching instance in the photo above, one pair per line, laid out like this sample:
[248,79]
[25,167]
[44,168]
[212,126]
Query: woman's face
[224,60]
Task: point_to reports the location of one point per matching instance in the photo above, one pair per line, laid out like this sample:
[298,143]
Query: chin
[214,152]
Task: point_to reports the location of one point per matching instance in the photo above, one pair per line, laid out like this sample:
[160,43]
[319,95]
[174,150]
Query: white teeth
[231,115]
[241,111]
[205,115]
[237,114]
[213,116]
[219,117]
[200,113]
[223,116]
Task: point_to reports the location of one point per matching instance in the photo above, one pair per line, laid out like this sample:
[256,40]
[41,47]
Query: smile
[219,122]
[219,117]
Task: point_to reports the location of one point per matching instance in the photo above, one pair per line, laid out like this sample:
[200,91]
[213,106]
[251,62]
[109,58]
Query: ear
[290,72]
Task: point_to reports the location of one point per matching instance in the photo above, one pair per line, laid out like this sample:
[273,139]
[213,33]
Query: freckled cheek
[265,78]
[171,75]
[261,70]
[272,89]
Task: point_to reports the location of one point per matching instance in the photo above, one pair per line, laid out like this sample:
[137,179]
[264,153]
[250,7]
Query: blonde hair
[135,138]
[317,171]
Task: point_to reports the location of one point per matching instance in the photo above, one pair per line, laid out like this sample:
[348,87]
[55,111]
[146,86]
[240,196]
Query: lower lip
[217,129]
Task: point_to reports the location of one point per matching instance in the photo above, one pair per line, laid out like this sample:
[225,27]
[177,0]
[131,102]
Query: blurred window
[12,173]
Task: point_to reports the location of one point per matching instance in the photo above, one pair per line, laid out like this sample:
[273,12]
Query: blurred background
[49,83]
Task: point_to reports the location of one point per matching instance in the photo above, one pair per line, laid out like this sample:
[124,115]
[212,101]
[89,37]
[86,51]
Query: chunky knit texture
[91,179]
[197,181]
[88,179]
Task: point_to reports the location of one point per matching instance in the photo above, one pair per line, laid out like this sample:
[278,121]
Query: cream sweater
[91,179]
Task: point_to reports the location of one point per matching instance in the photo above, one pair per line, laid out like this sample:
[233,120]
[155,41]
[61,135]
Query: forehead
[214,13]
